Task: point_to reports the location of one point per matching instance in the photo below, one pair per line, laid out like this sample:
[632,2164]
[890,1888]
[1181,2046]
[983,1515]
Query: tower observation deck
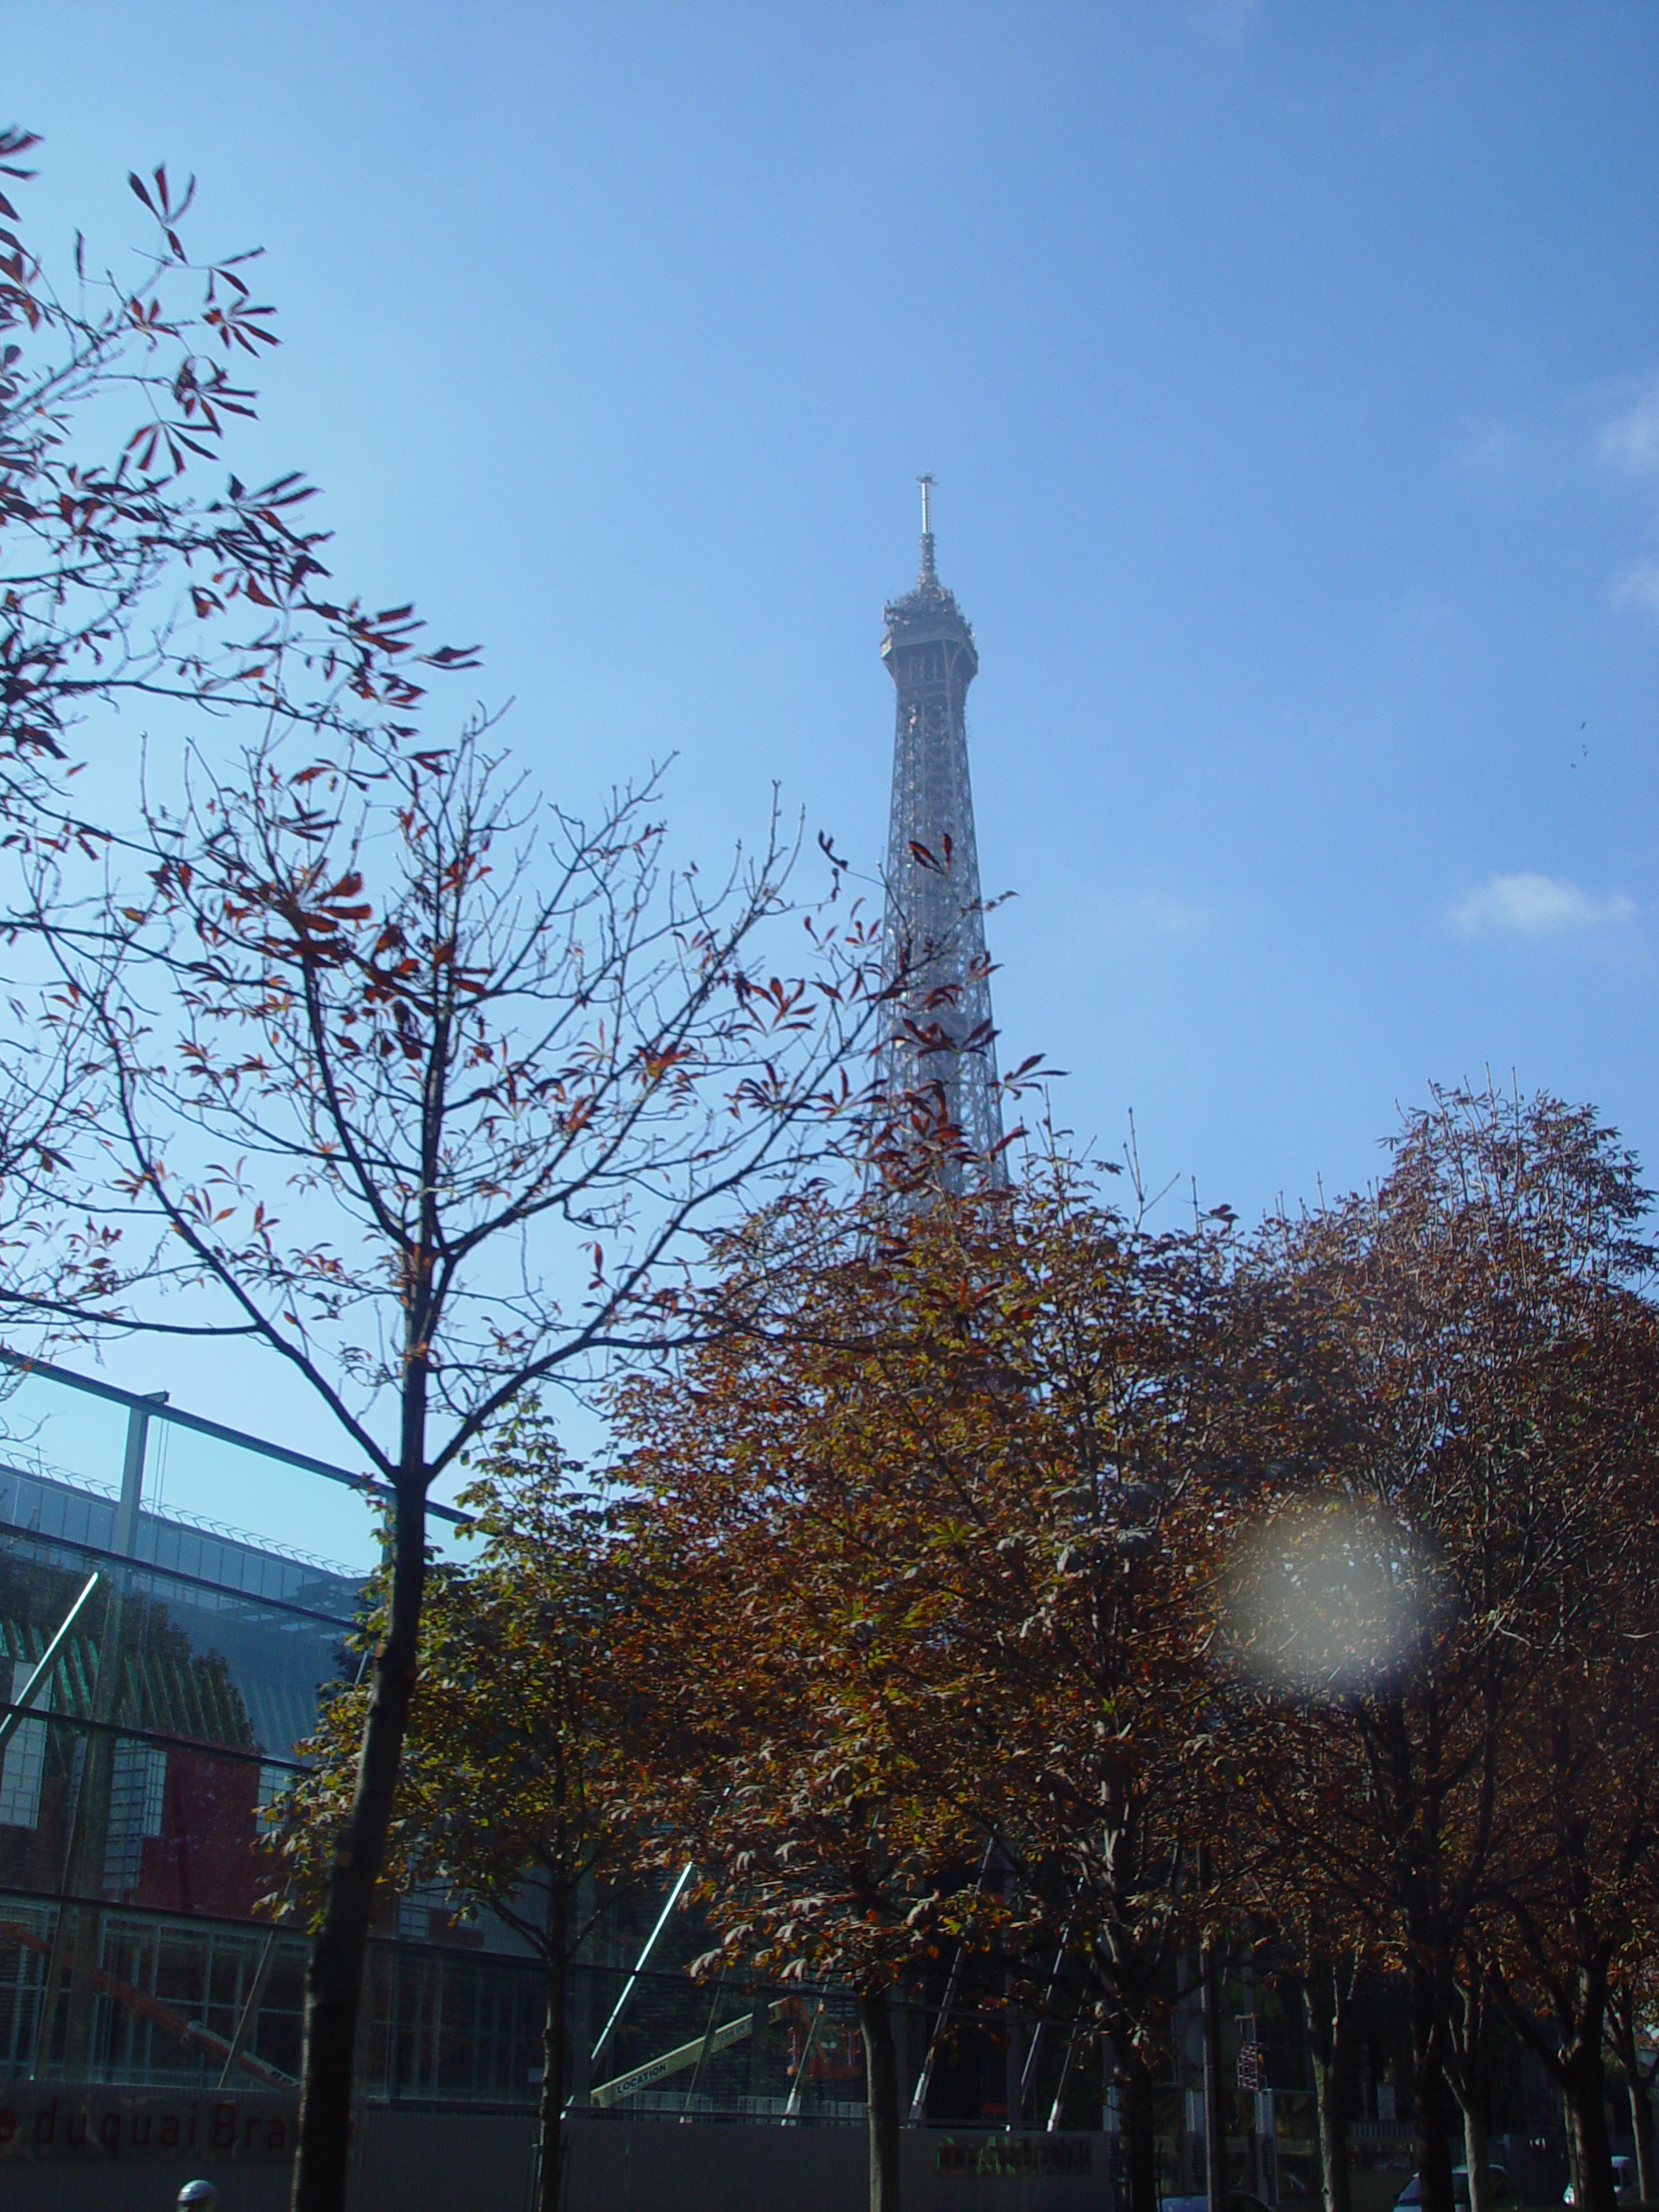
[940,1050]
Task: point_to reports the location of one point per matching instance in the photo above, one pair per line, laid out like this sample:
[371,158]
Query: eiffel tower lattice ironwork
[941,1047]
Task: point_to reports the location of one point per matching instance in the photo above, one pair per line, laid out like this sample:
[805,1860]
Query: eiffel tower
[940,1052]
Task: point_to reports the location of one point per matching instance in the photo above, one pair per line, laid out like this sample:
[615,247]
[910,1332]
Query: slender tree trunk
[1587,2124]
[1328,2044]
[1431,2113]
[553,2041]
[1476,2157]
[1622,2041]
[1575,2065]
[1138,2123]
[1333,2139]
[333,1979]
[881,2077]
[1641,2131]
[1581,2024]
[1469,2033]
[1575,2184]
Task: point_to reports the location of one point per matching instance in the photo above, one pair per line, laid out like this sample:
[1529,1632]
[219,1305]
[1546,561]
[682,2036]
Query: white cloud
[1535,906]
[1638,586]
[1630,441]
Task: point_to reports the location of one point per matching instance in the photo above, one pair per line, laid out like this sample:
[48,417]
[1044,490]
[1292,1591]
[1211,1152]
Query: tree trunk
[550,2147]
[1430,2103]
[1476,2157]
[333,1979]
[1327,2040]
[1138,2123]
[1469,2033]
[881,2077]
[1573,2060]
[1641,2131]
[1622,2041]
[1586,2126]
[1575,2187]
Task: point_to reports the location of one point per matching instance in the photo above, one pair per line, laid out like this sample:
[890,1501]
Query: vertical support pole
[1014,2077]
[364,2051]
[760,2052]
[580,2038]
[701,2066]
[1263,2180]
[1214,2095]
[51,1985]
[434,2051]
[792,2109]
[132,1476]
[80,1924]
[394,2033]
[1267,2138]
[1065,2083]
[247,2019]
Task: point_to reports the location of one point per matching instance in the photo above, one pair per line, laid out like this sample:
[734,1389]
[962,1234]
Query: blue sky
[1291,378]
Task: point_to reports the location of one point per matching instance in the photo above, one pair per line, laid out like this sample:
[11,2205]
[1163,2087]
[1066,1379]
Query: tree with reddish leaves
[1094,1627]
[787,1641]
[1459,1433]
[434,1097]
[1580,1828]
[132,578]
[138,578]
[927,1642]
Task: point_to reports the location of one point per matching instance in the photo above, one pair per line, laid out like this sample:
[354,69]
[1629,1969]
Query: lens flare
[1331,1600]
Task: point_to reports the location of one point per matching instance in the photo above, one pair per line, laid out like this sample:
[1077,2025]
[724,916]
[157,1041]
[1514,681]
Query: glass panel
[262,1507]
[185,1657]
[154,1819]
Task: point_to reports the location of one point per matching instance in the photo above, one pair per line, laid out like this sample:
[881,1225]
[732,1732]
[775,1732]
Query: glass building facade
[159,1675]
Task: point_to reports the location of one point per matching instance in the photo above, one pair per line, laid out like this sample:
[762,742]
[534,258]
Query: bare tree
[136,578]
[433,1094]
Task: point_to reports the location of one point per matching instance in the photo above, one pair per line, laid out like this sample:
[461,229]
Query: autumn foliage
[932,1542]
